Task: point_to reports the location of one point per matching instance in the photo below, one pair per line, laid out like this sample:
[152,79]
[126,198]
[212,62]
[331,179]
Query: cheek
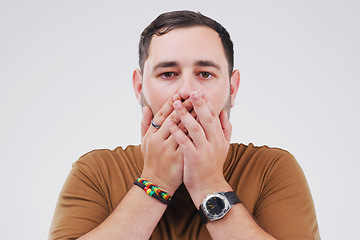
[155,97]
[219,98]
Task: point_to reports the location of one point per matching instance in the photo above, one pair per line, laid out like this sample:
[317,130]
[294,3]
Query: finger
[146,120]
[181,125]
[184,142]
[206,115]
[193,127]
[192,113]
[226,125]
[188,106]
[171,142]
[165,111]
[175,118]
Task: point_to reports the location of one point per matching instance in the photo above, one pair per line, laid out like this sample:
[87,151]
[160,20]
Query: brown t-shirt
[268,181]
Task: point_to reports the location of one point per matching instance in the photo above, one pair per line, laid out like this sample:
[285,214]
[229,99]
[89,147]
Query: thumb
[146,120]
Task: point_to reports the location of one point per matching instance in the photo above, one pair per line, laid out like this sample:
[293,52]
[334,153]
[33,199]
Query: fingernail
[170,122]
[224,112]
[177,104]
[195,94]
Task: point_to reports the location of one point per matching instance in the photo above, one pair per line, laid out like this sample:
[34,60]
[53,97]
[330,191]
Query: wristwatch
[216,205]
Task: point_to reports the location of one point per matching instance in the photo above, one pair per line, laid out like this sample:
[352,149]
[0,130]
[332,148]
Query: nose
[187,85]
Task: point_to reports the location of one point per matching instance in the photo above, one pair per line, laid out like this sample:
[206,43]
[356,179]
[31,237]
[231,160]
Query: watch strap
[232,197]
[201,213]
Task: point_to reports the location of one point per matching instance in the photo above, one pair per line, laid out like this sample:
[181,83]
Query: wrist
[199,193]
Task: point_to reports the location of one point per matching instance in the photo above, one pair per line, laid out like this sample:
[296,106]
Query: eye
[167,75]
[205,75]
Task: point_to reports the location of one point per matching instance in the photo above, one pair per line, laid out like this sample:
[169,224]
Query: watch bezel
[211,216]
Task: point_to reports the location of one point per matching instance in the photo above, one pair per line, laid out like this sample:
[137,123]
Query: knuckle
[173,118]
[160,117]
[199,103]
[184,139]
[195,128]
[210,119]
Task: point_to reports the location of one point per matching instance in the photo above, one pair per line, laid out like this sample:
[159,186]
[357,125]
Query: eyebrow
[206,63]
[200,63]
[165,65]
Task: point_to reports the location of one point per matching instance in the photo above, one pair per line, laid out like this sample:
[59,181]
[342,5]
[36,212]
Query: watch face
[215,205]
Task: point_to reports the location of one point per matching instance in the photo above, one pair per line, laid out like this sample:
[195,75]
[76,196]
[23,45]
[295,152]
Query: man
[186,86]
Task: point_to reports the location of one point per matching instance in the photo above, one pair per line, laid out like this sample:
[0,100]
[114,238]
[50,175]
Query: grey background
[65,75]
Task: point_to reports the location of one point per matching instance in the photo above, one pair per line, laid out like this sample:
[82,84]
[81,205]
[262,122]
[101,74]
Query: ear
[137,84]
[234,86]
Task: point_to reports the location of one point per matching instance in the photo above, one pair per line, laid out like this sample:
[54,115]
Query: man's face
[186,60]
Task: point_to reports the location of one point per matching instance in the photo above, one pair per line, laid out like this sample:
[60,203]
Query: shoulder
[109,160]
[272,169]
[263,166]
[109,172]
[261,156]
[264,150]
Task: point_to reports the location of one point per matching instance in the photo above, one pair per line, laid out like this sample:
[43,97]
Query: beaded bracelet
[152,193]
[153,190]
[160,192]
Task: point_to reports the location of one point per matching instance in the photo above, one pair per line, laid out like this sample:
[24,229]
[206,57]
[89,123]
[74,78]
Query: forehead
[187,45]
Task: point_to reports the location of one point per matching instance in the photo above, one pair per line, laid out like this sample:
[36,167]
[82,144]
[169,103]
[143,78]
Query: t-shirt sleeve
[285,208]
[82,204]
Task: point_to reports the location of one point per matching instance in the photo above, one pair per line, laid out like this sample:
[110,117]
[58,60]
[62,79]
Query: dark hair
[183,19]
